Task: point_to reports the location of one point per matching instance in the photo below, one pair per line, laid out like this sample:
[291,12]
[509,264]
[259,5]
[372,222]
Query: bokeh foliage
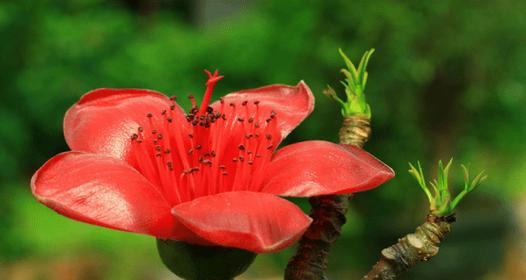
[447,79]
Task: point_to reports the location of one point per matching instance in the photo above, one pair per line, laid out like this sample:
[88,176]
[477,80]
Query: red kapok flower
[211,177]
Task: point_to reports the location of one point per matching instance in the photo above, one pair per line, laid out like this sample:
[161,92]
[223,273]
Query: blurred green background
[448,79]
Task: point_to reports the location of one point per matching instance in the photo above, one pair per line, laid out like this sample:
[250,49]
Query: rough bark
[328,214]
[355,131]
[411,249]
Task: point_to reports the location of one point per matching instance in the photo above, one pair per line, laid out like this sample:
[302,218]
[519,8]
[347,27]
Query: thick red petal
[257,222]
[103,120]
[103,191]
[292,104]
[313,168]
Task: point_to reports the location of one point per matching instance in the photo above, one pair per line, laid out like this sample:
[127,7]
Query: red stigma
[210,84]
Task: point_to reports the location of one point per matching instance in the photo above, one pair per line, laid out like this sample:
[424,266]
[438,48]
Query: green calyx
[354,83]
[195,262]
[441,202]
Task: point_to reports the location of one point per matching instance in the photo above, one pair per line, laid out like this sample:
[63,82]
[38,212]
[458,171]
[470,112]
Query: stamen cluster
[217,148]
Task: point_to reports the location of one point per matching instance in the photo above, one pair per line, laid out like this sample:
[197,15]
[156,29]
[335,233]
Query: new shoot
[354,84]
[441,201]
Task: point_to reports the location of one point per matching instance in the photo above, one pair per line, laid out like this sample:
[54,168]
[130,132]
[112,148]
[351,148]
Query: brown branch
[328,215]
[411,249]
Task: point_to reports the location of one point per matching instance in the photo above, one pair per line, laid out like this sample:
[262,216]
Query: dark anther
[163,112]
[158,155]
[190,151]
[221,100]
[222,166]
[268,136]
[209,109]
[191,135]
[240,119]
[149,115]
[249,135]
[198,146]
[213,153]
[232,105]
[134,136]
[244,103]
[223,116]
[173,98]
[251,120]
[241,158]
[170,165]
[167,151]
[241,147]
[256,102]
[250,162]
[160,136]
[172,107]
[140,129]
[154,131]
[158,148]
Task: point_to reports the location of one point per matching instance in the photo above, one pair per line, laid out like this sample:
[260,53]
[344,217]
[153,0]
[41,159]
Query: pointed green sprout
[440,200]
[354,83]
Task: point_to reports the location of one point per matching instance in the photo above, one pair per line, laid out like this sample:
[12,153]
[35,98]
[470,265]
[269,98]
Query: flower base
[195,262]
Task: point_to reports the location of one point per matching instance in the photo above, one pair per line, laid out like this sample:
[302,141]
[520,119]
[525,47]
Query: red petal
[292,104]
[251,221]
[103,120]
[102,191]
[313,168]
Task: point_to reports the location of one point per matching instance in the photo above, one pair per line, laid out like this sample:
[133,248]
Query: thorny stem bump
[411,249]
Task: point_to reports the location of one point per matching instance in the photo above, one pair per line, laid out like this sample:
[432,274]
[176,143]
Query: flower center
[210,150]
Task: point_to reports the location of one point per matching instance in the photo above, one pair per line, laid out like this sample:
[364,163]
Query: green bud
[196,262]
[441,201]
[354,83]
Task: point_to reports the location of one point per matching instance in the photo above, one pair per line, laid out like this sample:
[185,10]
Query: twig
[411,249]
[424,243]
[328,214]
